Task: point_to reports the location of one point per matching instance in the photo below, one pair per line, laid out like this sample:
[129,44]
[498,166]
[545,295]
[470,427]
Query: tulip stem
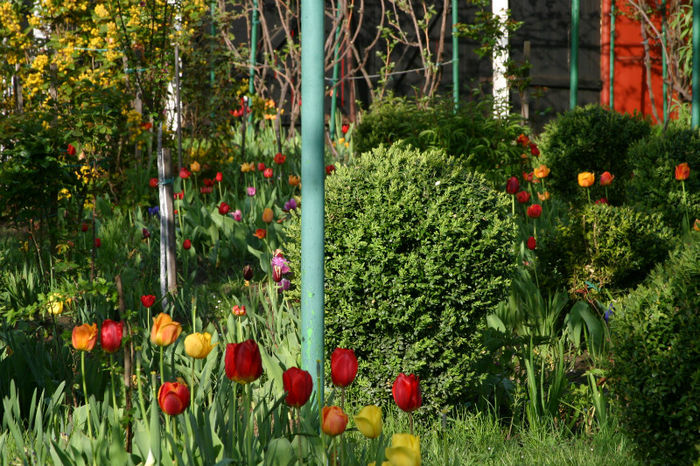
[299,436]
[512,204]
[607,198]
[87,400]
[686,218]
[410,421]
[114,389]
[162,367]
[588,193]
[192,385]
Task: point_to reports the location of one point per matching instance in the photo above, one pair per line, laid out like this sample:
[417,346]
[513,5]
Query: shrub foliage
[418,251]
[656,374]
[654,187]
[594,139]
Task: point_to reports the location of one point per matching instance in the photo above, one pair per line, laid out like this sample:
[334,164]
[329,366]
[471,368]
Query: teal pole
[612,55]
[696,65]
[664,64]
[336,63]
[573,66]
[455,54]
[253,48]
[312,192]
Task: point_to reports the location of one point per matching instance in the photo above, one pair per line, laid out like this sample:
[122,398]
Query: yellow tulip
[198,345]
[165,330]
[586,179]
[542,171]
[55,304]
[404,450]
[369,421]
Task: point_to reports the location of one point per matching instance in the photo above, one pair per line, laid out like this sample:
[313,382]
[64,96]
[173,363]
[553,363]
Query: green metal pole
[253,48]
[336,60]
[612,55]
[664,64]
[312,193]
[696,65]
[573,66]
[455,54]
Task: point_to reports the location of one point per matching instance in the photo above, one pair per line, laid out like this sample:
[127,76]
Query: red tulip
[208,182]
[98,242]
[344,128]
[523,140]
[534,150]
[523,197]
[173,398]
[343,367]
[145,233]
[531,243]
[223,208]
[219,177]
[184,173]
[261,166]
[512,185]
[606,178]
[153,182]
[529,176]
[534,211]
[267,173]
[148,300]
[179,195]
[111,335]
[71,150]
[330,169]
[260,233]
[682,171]
[406,391]
[280,158]
[602,200]
[242,362]
[186,244]
[84,227]
[298,384]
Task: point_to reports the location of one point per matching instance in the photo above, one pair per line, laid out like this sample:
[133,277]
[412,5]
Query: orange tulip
[333,420]
[268,215]
[542,171]
[586,179]
[294,180]
[682,171]
[165,330]
[84,337]
[606,178]
[544,196]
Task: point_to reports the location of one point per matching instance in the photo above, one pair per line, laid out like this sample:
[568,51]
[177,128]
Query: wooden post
[168,272]
[178,109]
[525,96]
[128,361]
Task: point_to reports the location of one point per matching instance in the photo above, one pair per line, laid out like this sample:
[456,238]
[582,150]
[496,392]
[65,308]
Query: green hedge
[470,133]
[612,247]
[654,187]
[590,138]
[417,252]
[656,372]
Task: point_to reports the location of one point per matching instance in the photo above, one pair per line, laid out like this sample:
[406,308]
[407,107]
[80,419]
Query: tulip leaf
[279,453]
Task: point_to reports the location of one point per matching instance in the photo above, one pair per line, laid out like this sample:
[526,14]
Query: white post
[500,57]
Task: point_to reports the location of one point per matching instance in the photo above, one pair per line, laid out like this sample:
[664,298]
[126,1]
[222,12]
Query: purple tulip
[284,285]
[290,205]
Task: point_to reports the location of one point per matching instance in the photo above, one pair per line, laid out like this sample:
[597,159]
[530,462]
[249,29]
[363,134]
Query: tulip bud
[298,384]
[406,391]
[145,233]
[219,177]
[267,173]
[243,362]
[531,243]
[153,182]
[268,215]
[165,330]
[606,178]
[333,421]
[111,335]
[280,158]
[173,398]
[247,272]
[343,367]
[186,244]
[369,421]
[261,166]
[198,345]
[512,185]
[223,208]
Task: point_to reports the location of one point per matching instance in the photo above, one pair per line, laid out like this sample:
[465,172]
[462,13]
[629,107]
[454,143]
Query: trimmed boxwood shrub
[417,252]
[654,187]
[590,138]
[470,133]
[656,371]
[613,247]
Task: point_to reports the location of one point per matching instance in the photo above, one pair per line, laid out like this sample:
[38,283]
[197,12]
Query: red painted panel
[630,90]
